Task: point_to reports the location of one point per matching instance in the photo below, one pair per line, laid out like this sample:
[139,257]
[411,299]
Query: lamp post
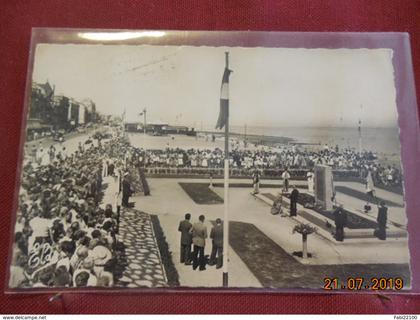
[143,113]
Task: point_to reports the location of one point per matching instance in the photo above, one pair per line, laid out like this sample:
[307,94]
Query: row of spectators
[63,237]
[272,160]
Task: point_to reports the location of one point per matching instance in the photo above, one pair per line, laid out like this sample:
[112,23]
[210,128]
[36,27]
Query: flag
[224,100]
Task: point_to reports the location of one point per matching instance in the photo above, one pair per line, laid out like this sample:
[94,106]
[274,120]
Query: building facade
[49,112]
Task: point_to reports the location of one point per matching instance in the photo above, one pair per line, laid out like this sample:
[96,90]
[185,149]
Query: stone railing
[296,174]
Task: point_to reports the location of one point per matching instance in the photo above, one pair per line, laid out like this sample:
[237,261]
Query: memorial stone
[323,179]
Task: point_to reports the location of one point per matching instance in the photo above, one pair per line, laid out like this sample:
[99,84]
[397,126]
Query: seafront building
[50,112]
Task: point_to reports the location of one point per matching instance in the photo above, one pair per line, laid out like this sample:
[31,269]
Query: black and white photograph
[167,166]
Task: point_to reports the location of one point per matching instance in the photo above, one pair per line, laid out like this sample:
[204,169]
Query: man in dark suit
[216,234]
[382,219]
[126,190]
[186,239]
[340,217]
[294,196]
[199,235]
[111,168]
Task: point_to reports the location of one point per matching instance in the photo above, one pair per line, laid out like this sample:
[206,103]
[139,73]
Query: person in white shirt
[370,191]
[40,227]
[310,179]
[286,177]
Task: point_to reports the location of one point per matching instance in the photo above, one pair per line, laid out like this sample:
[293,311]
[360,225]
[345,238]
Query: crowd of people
[63,236]
[276,160]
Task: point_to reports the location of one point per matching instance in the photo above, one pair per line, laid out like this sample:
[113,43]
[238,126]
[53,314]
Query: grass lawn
[274,267]
[200,193]
[165,254]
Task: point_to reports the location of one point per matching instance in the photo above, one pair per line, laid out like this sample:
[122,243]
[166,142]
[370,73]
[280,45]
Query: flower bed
[201,193]
[354,221]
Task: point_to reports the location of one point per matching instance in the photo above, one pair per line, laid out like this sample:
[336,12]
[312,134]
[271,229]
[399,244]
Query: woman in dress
[204,162]
[193,160]
[310,179]
[180,160]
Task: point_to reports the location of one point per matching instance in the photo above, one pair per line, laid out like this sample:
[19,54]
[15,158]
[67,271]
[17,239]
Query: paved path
[143,266]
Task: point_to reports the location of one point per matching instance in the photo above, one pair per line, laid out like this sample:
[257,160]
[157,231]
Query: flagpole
[123,123]
[360,132]
[144,137]
[226,196]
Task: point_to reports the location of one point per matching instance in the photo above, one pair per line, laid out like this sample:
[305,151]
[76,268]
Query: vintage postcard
[162,166]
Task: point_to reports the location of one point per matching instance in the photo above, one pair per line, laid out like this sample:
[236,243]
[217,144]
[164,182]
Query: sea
[379,140]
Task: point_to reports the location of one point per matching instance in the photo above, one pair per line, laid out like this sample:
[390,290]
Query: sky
[269,87]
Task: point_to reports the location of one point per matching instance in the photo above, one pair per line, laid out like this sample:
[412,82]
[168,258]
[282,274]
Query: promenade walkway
[170,202]
[143,264]
[396,212]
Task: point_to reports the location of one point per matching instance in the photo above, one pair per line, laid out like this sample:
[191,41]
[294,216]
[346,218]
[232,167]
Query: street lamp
[143,113]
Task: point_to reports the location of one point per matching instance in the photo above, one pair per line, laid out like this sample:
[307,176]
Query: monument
[323,182]
[310,179]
